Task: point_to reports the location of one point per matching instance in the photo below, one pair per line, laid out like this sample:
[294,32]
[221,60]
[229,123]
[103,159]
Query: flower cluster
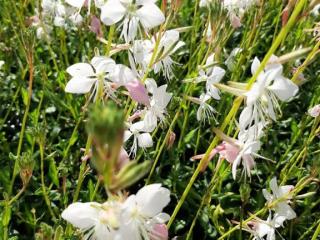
[57,13]
[278,200]
[136,217]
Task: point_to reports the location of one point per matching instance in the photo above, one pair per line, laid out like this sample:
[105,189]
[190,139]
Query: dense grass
[42,128]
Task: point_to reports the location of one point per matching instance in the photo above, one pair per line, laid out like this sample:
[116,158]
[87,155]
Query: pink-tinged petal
[159,232]
[95,26]
[199,157]
[230,152]
[235,21]
[284,88]
[79,85]
[81,215]
[112,12]
[285,190]
[138,92]
[123,159]
[81,70]
[315,111]
[150,15]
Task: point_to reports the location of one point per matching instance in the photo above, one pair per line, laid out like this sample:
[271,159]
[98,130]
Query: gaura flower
[158,103]
[282,195]
[205,111]
[262,99]
[143,50]
[261,229]
[139,217]
[141,136]
[314,111]
[87,76]
[96,221]
[143,213]
[132,13]
[211,75]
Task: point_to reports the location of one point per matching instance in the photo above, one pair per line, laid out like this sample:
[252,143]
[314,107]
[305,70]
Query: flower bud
[26,165]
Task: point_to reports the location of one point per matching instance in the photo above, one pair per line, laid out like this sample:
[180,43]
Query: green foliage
[47,154]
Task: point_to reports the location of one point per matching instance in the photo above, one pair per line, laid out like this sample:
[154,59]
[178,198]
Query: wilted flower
[131,12]
[314,111]
[280,194]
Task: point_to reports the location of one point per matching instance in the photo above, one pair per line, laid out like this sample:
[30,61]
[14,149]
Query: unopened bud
[171,139]
[26,165]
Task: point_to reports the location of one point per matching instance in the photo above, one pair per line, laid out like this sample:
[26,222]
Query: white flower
[80,3]
[1,63]
[230,61]
[96,221]
[143,50]
[87,76]
[168,45]
[54,9]
[143,211]
[205,111]
[158,103]
[139,217]
[211,75]
[264,229]
[248,150]
[132,12]
[314,111]
[262,99]
[282,196]
[141,136]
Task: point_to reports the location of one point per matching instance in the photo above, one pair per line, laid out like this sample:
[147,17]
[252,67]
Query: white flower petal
[283,209]
[150,15]
[75,3]
[284,88]
[81,70]
[112,12]
[80,85]
[145,140]
[152,199]
[255,65]
[81,215]
[246,117]
[103,64]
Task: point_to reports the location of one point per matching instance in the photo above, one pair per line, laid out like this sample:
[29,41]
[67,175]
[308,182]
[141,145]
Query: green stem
[236,105]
